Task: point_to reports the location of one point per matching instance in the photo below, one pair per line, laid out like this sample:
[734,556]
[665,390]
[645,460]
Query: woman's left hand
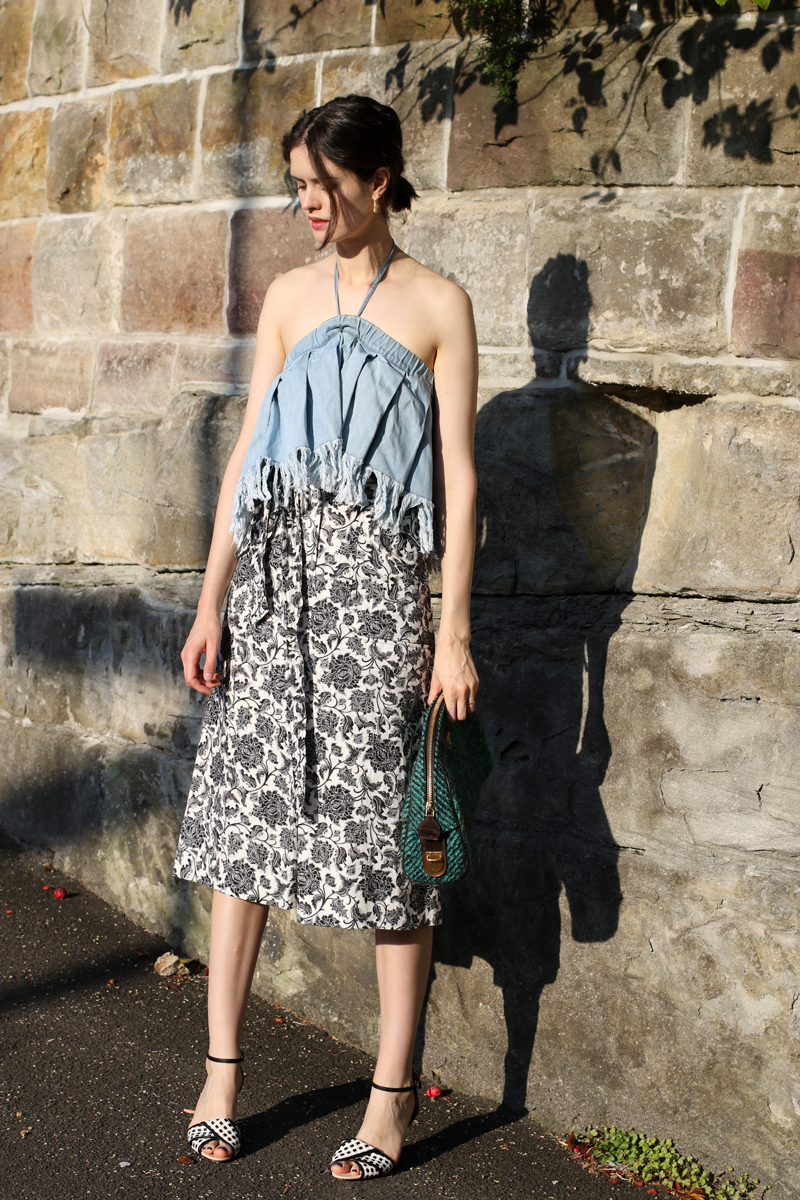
[454,674]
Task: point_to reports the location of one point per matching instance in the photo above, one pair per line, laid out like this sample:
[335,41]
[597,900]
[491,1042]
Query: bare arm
[206,633]
[455,488]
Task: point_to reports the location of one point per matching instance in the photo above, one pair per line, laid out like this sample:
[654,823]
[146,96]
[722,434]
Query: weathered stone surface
[275,27]
[199,34]
[416,81]
[246,112]
[58,47]
[76,161]
[108,653]
[227,366]
[766,321]
[745,111]
[585,112]
[419,20]
[50,376]
[121,488]
[622,369]
[639,270]
[578,467]
[123,39]
[706,378]
[174,275]
[16,256]
[723,516]
[77,275]
[598,879]
[151,143]
[265,242]
[766,307]
[483,247]
[133,375]
[23,163]
[16,21]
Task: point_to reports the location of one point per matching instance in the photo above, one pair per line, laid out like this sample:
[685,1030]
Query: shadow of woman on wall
[564,481]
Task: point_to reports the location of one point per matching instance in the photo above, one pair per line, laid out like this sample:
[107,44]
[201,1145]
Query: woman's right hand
[205,638]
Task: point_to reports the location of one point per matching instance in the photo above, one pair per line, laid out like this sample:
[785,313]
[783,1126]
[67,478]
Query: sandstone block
[174,273]
[265,242]
[416,81]
[77,156]
[745,112]
[706,379]
[482,246]
[50,376]
[246,113]
[227,366]
[106,652]
[133,375]
[23,163]
[584,113]
[640,271]
[766,320]
[151,143]
[610,369]
[77,275]
[578,467]
[119,488]
[722,519]
[200,35]
[58,48]
[16,256]
[275,27]
[123,40]
[415,21]
[16,22]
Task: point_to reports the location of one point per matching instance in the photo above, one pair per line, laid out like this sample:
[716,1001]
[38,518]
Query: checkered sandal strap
[218,1129]
[370,1162]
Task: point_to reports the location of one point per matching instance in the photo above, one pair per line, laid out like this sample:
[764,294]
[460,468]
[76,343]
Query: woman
[327,660]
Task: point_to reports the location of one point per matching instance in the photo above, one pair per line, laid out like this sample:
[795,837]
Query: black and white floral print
[298,786]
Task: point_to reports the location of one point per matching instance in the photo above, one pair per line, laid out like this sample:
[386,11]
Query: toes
[346,1169]
[215,1150]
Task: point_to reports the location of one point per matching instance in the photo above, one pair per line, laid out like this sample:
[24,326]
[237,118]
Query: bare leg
[403,961]
[237,927]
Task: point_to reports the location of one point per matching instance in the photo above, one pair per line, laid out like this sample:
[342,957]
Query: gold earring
[376,208]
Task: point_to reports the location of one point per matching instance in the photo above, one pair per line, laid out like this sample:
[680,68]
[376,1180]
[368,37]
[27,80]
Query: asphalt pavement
[100,1056]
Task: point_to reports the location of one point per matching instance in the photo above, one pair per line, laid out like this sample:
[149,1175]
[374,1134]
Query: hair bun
[404,193]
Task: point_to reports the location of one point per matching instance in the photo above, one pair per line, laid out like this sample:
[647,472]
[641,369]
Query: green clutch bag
[445,778]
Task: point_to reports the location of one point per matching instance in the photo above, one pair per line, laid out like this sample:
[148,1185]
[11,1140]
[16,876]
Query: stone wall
[627,948]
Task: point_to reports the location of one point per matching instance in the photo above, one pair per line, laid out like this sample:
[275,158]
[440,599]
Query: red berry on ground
[434,1092]
[279,1021]
[60,893]
[9,912]
[47,888]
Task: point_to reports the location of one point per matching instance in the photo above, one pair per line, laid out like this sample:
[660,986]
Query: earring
[376,208]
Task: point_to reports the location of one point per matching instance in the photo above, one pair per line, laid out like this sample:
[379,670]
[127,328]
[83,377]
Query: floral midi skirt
[298,787]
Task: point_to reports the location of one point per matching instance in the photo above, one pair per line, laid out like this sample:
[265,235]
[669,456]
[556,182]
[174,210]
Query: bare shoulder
[443,301]
[295,284]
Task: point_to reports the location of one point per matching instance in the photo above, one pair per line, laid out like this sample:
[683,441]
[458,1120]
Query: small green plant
[661,1163]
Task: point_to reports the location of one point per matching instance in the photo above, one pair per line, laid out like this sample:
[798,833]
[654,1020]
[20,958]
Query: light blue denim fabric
[350,411]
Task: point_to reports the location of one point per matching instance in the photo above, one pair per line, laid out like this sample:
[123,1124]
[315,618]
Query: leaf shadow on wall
[622,72]
[564,483]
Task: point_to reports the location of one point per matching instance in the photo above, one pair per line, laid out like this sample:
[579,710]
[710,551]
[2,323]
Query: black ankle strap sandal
[217,1129]
[370,1161]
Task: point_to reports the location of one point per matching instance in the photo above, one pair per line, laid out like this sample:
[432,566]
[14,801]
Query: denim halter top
[350,413]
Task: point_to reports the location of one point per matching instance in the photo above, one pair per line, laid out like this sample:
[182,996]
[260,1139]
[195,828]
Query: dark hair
[359,134]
